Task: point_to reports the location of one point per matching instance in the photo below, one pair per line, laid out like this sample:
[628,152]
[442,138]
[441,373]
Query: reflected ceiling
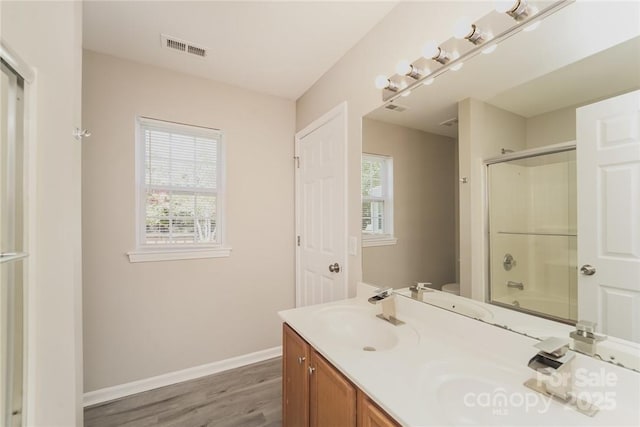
[567,55]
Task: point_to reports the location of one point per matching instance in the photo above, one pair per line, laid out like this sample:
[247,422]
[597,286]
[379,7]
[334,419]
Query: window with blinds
[180,184]
[377,192]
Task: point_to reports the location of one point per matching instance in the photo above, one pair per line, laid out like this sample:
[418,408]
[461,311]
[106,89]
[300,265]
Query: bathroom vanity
[342,365]
[316,393]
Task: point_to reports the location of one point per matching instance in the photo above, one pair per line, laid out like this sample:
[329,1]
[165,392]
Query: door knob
[301,359]
[588,270]
[311,369]
[334,268]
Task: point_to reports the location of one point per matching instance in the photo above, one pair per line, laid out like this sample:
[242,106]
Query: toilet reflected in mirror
[451,288]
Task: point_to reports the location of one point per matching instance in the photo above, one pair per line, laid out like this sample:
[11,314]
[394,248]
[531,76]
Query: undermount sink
[457,305]
[358,328]
[472,392]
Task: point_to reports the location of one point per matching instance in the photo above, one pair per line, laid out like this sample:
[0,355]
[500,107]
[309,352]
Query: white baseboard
[122,390]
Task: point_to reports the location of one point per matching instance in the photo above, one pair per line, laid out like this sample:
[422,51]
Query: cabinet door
[332,398]
[369,415]
[295,379]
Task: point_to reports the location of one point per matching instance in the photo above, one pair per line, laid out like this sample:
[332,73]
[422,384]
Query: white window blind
[181,184]
[377,192]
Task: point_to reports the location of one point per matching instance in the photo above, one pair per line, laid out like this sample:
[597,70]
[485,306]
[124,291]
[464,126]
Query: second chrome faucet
[385,297]
[419,288]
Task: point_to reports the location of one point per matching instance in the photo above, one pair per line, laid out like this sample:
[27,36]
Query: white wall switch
[353,245]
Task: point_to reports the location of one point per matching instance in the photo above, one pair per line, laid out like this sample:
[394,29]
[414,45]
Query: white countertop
[444,363]
[612,349]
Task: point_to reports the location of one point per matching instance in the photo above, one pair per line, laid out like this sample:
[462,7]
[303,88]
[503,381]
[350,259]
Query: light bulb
[490,49]
[404,67]
[429,81]
[462,28]
[430,49]
[504,6]
[518,9]
[382,82]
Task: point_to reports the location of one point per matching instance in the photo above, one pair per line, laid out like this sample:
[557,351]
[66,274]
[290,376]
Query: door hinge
[297,160]
[298,239]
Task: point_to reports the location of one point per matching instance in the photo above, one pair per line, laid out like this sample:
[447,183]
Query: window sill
[378,241]
[175,254]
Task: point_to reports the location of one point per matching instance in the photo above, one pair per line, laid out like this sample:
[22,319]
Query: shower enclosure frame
[12,63]
[509,156]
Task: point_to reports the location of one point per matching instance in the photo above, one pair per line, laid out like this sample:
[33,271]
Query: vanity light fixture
[383,82]
[406,93]
[518,9]
[527,17]
[431,50]
[464,29]
[405,68]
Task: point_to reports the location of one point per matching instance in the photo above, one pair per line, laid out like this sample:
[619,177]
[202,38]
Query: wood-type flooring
[249,396]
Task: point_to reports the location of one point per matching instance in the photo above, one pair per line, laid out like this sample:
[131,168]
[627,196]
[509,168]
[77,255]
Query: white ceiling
[584,52]
[279,48]
[612,71]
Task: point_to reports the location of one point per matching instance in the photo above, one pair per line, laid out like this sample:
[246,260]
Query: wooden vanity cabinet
[316,394]
[295,379]
[370,415]
[332,398]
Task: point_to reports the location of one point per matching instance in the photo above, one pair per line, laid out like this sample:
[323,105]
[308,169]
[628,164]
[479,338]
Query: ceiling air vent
[174,43]
[395,107]
[450,122]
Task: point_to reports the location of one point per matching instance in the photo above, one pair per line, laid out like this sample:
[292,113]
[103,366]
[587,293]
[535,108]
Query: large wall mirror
[510,116]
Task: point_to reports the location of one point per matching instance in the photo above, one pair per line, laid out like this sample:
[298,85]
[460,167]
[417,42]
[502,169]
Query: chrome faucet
[386,298]
[517,285]
[419,288]
[554,374]
[585,338]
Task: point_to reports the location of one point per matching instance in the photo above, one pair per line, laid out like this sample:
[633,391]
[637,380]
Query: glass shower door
[532,234]
[12,255]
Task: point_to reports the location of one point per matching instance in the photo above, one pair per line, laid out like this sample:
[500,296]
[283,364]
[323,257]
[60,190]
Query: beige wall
[483,131]
[401,34]
[146,319]
[424,207]
[551,128]
[54,329]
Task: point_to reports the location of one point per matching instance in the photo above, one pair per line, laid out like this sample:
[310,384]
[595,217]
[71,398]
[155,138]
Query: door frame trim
[340,109]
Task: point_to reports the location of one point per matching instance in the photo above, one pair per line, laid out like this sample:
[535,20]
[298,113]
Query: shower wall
[532,217]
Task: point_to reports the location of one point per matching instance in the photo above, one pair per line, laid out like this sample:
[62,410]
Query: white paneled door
[608,158]
[321,215]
